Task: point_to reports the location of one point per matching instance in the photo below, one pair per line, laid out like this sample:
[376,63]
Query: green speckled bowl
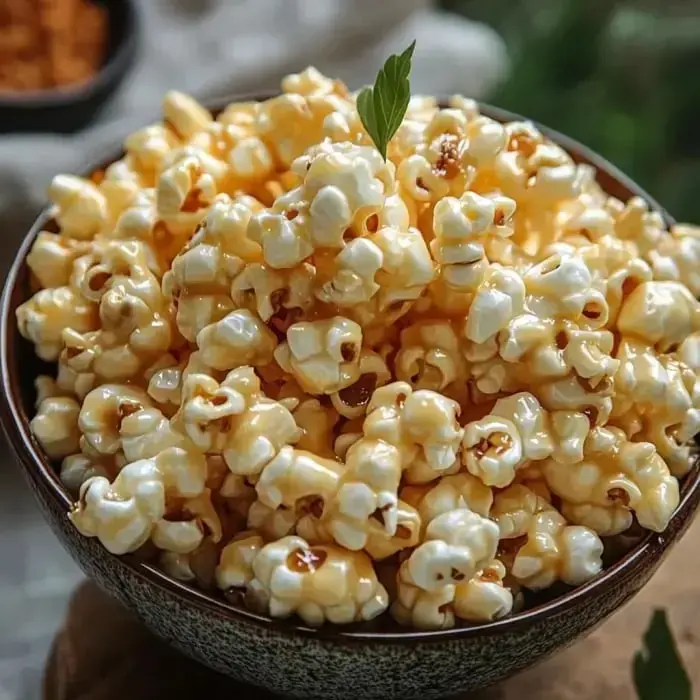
[379,661]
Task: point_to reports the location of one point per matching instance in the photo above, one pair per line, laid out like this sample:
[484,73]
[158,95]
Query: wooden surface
[116,657]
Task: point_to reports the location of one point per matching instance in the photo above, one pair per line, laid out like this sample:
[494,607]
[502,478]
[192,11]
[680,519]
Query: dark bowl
[65,110]
[379,661]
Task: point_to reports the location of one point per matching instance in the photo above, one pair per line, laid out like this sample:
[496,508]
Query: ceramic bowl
[378,661]
[65,110]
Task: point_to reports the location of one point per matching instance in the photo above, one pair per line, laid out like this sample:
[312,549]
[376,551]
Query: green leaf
[383,107]
[659,673]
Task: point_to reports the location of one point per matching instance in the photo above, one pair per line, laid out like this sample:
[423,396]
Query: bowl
[379,661]
[65,110]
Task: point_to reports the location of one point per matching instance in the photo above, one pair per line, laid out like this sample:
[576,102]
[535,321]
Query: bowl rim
[40,473]
[108,73]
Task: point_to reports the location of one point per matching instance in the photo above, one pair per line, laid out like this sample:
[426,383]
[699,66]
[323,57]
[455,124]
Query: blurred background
[622,76]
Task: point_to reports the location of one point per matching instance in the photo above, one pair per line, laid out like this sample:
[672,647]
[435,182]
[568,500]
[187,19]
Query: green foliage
[658,670]
[621,77]
[382,107]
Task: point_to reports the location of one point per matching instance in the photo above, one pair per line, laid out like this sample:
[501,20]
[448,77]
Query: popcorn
[183,115]
[347,126]
[427,610]
[662,314]
[580,395]
[460,226]
[353,281]
[165,379]
[241,114]
[457,544]
[486,138]
[80,208]
[449,493]
[76,469]
[206,411]
[272,523]
[140,221]
[322,355]
[422,425]
[239,338]
[343,189]
[407,270]
[180,537]
[235,569]
[676,257]
[51,258]
[451,146]
[293,122]
[492,450]
[118,266]
[352,401]
[514,509]
[658,401]
[282,231]
[145,433]
[294,476]
[55,426]
[258,433]
[570,429]
[381,545]
[429,424]
[148,147]
[178,566]
[311,82]
[123,514]
[319,584]
[238,145]
[430,356]
[484,597]
[555,551]
[184,192]
[615,479]
[427,181]
[316,423]
[499,298]
[527,415]
[282,359]
[616,269]
[103,412]
[535,345]
[277,296]
[135,328]
[589,354]
[43,318]
[199,281]
[561,286]
[533,170]
[634,222]
[366,498]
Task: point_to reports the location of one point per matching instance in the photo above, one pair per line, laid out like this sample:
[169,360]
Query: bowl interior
[19,366]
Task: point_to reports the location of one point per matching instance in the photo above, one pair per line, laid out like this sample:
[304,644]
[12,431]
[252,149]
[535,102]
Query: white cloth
[217,48]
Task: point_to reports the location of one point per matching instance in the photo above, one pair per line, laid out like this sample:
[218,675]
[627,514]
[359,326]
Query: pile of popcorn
[331,386]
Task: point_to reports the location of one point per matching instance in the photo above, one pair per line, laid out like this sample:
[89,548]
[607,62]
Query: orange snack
[40,48]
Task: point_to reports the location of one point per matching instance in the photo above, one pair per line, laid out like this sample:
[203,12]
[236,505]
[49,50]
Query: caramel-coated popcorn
[330,385]
[318,583]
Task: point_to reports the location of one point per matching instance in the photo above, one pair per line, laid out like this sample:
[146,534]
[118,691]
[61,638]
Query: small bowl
[380,660]
[69,109]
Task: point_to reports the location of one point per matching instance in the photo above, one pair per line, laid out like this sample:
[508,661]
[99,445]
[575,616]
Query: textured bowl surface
[375,662]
